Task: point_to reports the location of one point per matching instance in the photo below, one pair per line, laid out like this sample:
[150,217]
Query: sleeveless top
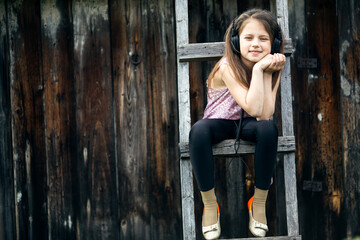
[220,102]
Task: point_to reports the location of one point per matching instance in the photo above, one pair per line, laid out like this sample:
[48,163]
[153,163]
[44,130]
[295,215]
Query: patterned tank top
[220,102]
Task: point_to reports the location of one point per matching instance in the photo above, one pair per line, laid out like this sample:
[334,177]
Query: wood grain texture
[7,203]
[184,108]
[97,209]
[59,99]
[349,57]
[27,119]
[317,118]
[128,49]
[162,117]
[212,51]
[226,147]
[301,105]
[324,101]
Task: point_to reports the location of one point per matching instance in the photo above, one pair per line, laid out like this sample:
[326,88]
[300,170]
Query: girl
[247,78]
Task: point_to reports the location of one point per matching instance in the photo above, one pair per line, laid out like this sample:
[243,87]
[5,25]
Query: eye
[248,38]
[264,39]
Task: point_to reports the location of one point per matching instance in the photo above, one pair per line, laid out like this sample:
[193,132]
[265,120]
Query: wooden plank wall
[91,90]
[326,118]
[28,126]
[88,119]
[318,121]
[7,223]
[59,110]
[349,58]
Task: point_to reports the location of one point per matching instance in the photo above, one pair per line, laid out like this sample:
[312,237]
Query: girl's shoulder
[223,60]
[223,63]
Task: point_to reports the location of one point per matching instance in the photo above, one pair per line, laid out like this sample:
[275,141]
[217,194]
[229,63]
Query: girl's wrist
[268,74]
[257,68]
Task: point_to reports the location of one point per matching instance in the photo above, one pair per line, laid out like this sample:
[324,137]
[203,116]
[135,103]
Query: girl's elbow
[266,116]
[256,113]
[263,118]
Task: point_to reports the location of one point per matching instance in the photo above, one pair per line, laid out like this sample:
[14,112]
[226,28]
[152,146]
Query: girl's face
[254,42]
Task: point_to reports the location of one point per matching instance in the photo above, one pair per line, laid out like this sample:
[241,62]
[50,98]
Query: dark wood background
[88,119]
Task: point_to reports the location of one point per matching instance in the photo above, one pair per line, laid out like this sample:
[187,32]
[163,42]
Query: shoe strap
[210,228]
[260,225]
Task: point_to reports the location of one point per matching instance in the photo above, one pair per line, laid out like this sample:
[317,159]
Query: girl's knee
[267,128]
[199,129]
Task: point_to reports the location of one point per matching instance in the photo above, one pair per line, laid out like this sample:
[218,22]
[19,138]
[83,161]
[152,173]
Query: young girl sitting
[247,77]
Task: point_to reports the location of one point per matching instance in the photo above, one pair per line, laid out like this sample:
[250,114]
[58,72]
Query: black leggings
[206,132]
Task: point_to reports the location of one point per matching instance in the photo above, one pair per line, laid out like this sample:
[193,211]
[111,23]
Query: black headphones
[275,48]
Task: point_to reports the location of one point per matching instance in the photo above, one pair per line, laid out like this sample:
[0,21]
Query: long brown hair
[241,71]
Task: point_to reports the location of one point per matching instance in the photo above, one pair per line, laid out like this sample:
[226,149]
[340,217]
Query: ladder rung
[226,147]
[212,51]
[268,238]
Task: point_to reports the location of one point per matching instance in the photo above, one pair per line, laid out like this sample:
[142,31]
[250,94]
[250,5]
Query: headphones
[275,48]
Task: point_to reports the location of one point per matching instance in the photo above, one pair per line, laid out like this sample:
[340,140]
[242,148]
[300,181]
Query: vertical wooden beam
[130,92]
[159,51]
[297,32]
[60,124]
[349,56]
[187,189]
[287,128]
[97,210]
[7,223]
[27,119]
[324,206]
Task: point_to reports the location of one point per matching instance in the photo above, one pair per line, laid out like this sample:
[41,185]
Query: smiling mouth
[255,52]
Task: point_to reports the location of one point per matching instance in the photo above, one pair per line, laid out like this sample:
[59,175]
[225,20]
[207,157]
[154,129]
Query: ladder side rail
[183,85]
[287,129]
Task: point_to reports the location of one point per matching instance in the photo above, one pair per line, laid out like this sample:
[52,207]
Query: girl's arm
[269,96]
[250,99]
[277,64]
[259,99]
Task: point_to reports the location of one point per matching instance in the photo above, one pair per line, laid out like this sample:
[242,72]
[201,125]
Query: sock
[259,211]
[210,207]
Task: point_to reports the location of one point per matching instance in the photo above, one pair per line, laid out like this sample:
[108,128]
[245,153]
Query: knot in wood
[135,59]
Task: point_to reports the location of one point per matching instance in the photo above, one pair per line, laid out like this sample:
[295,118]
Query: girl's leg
[265,134]
[203,135]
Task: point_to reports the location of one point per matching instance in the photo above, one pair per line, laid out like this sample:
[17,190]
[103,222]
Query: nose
[255,42]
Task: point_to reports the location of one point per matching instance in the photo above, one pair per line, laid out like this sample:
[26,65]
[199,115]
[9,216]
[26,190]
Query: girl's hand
[264,63]
[277,63]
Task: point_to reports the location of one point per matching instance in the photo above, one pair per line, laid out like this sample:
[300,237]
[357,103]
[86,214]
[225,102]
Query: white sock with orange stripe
[210,207]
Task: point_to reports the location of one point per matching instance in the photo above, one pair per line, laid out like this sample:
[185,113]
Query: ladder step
[268,238]
[212,51]
[226,147]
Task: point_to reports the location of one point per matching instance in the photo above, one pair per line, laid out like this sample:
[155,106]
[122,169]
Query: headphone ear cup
[275,48]
[235,37]
[235,42]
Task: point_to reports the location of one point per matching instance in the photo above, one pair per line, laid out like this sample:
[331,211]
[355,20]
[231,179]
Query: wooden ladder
[206,51]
